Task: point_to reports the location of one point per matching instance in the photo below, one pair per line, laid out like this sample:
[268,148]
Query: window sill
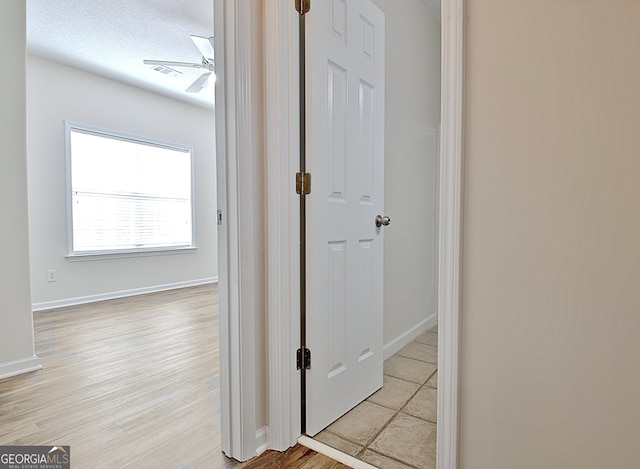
[99,256]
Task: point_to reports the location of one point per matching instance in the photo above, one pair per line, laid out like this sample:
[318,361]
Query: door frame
[239,151]
[450,231]
[282,126]
[235,49]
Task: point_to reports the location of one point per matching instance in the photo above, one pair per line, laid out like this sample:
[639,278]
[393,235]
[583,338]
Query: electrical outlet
[51,275]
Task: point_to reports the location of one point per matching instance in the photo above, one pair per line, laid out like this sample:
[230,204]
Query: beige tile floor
[395,428]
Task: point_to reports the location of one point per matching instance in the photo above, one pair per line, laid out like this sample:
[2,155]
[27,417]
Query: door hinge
[303,359]
[303,183]
[303,6]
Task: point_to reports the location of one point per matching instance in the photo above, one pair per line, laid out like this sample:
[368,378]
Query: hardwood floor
[298,457]
[126,383]
[131,383]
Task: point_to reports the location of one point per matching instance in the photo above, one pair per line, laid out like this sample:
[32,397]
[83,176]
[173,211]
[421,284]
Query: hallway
[395,428]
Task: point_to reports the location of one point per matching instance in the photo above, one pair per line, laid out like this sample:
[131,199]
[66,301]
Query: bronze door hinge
[303,183]
[303,6]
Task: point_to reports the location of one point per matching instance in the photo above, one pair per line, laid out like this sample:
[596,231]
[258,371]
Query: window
[127,194]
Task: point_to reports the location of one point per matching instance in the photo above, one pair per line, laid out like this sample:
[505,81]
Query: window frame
[72,255]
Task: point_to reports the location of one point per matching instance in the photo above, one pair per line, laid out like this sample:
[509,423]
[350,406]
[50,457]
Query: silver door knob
[382,221]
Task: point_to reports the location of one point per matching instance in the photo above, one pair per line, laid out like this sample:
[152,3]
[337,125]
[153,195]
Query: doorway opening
[61,86]
[262,419]
[408,136]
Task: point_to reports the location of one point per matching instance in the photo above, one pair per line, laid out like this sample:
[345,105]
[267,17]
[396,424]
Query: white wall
[551,253]
[56,93]
[411,166]
[16,330]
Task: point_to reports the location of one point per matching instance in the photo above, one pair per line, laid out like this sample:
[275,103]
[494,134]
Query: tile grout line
[397,412]
[404,463]
[366,447]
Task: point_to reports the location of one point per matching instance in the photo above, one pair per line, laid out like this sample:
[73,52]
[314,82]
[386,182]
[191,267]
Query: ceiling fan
[205,46]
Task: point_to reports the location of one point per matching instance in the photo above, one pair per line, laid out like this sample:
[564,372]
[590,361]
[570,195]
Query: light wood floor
[126,383]
[297,457]
[131,383]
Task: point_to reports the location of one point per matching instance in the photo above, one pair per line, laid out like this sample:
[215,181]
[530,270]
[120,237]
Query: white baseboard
[404,339]
[262,440]
[18,367]
[120,294]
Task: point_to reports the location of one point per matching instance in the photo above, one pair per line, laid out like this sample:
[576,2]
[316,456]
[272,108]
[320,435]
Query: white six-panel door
[345,155]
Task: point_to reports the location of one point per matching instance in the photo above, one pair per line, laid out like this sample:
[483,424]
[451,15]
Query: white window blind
[127,194]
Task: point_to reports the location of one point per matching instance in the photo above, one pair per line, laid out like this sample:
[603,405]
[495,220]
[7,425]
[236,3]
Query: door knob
[382,221]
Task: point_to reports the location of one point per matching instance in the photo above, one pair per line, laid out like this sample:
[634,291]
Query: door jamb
[283,252]
[450,232]
[239,155]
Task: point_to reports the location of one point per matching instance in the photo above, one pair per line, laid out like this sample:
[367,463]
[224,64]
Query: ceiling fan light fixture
[205,47]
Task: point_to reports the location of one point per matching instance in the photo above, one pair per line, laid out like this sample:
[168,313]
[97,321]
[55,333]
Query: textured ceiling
[113,37]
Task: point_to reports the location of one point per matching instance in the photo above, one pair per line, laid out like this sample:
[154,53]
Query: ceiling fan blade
[197,85]
[205,46]
[168,63]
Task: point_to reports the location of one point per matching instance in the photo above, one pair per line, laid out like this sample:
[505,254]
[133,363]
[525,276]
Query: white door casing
[345,156]
[239,153]
[450,232]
